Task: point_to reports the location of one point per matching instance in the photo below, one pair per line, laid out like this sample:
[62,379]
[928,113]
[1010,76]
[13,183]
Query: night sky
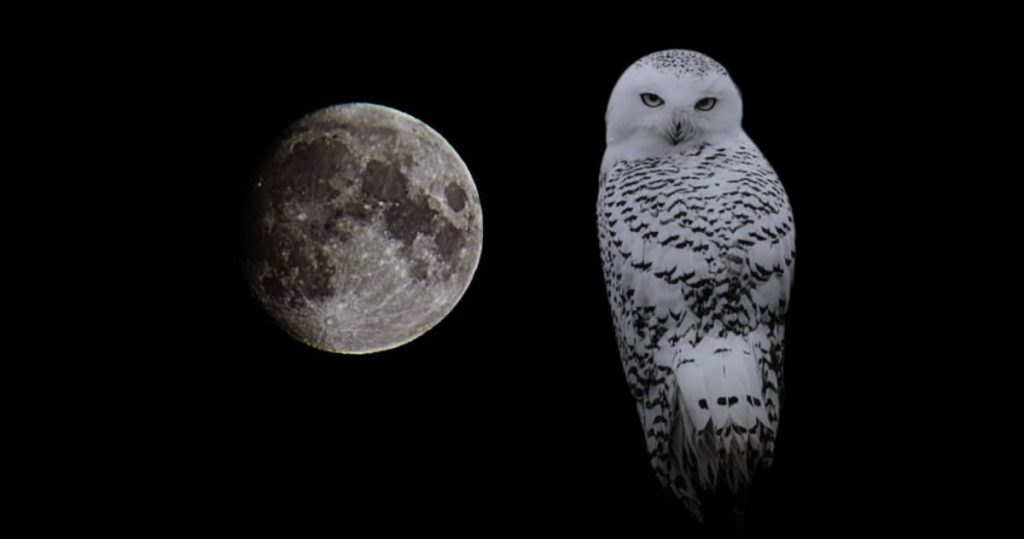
[514,409]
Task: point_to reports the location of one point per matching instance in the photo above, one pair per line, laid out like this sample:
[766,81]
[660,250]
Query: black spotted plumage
[697,248]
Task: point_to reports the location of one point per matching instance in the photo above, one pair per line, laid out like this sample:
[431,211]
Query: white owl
[696,237]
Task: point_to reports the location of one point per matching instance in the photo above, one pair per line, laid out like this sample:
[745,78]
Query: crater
[455,197]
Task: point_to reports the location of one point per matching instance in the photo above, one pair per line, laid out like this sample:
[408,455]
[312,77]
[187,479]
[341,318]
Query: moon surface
[364,229]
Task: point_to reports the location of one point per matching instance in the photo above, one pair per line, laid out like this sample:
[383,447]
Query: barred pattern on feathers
[698,250]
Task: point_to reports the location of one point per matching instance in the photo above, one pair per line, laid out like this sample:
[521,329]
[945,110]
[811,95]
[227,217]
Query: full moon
[364,229]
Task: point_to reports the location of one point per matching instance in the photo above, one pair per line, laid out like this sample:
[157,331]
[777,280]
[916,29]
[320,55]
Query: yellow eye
[652,100]
[706,104]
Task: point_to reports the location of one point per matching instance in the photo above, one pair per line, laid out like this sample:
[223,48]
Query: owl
[697,246]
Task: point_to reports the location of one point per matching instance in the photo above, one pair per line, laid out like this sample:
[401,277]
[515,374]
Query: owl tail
[724,433]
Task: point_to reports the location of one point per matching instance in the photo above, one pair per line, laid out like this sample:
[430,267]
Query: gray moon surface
[364,229]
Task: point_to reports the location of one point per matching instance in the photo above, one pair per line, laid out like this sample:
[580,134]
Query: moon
[363,230]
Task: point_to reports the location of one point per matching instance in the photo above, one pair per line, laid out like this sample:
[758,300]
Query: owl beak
[680,129]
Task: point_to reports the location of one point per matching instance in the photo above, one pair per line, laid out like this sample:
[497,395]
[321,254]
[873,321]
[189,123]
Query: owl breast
[708,231]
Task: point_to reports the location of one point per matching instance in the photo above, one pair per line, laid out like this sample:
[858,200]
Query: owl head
[671,100]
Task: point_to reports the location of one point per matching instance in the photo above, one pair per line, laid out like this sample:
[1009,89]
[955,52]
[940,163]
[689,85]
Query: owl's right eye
[652,100]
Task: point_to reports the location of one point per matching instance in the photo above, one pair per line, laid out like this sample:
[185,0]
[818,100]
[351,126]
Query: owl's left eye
[706,104]
[652,100]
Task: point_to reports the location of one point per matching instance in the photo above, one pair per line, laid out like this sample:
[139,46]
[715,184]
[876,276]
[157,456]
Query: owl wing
[646,300]
[760,239]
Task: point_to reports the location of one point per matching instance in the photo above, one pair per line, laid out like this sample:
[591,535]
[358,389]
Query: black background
[514,410]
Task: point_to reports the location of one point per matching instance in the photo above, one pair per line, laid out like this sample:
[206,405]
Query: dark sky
[514,408]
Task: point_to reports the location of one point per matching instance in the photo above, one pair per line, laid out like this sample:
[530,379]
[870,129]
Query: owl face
[665,108]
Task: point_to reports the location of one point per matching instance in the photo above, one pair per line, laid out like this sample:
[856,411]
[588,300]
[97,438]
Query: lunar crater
[455,196]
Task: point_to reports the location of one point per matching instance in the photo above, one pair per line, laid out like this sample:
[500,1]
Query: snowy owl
[696,237]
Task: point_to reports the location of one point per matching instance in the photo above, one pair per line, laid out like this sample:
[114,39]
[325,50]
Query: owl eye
[652,100]
[706,104]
